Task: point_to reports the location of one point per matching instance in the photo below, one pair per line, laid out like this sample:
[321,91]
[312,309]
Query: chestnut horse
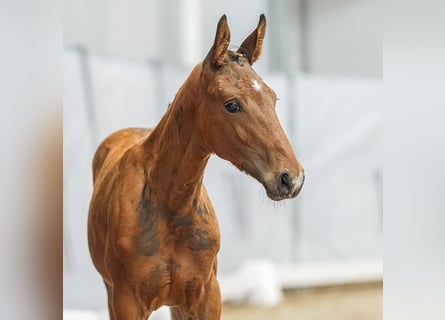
[153,233]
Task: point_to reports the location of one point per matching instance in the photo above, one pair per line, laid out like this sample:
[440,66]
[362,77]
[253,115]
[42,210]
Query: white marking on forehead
[255,85]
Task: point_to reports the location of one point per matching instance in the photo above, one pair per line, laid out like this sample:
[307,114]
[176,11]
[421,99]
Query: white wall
[335,37]
[125,29]
[344,37]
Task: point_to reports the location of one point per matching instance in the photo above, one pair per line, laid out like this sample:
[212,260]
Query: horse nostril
[285,183]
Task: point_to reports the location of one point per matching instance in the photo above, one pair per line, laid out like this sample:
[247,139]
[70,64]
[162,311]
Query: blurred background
[315,256]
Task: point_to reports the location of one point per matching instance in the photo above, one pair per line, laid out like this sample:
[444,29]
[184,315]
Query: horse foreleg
[208,308]
[124,305]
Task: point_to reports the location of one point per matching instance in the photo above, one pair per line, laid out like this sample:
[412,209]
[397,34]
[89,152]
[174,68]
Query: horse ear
[253,45]
[215,57]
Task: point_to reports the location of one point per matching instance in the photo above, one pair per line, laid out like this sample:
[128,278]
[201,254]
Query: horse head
[237,115]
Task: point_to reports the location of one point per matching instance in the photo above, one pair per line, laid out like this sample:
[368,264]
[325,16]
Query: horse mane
[237,57]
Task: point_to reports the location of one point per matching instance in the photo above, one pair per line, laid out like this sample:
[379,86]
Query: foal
[153,233]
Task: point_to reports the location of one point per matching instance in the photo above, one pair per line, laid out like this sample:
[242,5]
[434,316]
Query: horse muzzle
[285,186]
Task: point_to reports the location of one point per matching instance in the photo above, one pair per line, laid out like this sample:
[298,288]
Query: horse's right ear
[253,45]
[215,57]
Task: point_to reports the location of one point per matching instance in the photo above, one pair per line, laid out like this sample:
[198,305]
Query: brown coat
[153,232]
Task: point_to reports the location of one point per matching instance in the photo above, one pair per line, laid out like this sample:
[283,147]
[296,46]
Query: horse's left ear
[253,45]
[215,57]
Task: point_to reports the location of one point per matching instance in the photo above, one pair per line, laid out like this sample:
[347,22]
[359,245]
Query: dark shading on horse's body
[153,233]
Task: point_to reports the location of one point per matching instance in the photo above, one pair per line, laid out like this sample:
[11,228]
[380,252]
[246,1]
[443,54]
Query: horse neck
[177,153]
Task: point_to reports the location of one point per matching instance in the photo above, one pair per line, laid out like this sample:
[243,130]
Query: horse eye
[233,106]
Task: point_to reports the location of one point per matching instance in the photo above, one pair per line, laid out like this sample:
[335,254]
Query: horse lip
[278,196]
[274,195]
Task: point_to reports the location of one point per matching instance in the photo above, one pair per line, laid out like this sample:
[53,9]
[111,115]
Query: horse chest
[196,238]
[187,257]
[192,233]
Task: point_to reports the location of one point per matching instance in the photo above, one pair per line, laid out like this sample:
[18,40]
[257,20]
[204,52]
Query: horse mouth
[278,196]
[289,190]
[279,187]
